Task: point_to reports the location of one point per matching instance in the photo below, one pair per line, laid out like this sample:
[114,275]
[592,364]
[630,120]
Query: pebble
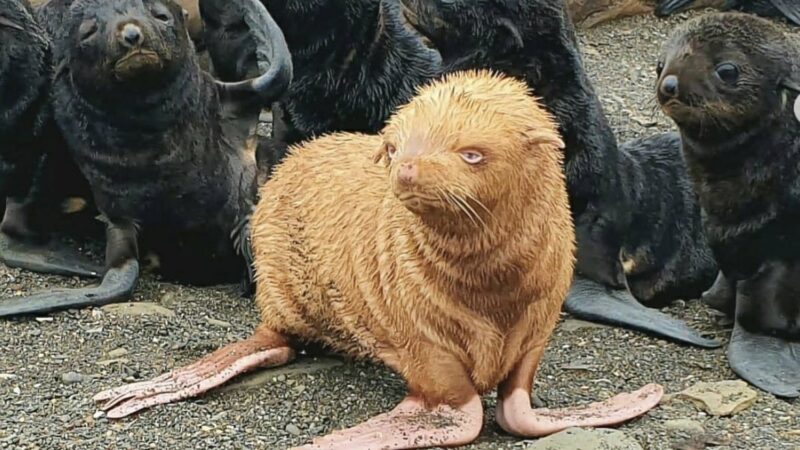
[72,378]
[684,425]
[586,439]
[138,309]
[117,353]
[292,429]
[218,323]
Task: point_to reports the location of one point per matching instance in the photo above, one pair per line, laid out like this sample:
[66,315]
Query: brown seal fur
[420,284]
[449,263]
[590,13]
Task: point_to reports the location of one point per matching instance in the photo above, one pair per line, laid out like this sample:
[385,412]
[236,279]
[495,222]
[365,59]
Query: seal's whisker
[469,210]
[458,201]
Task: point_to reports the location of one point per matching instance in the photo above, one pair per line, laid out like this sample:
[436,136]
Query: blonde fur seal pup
[442,247]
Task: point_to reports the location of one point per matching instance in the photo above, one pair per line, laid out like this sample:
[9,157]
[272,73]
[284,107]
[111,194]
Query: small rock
[586,439]
[218,323]
[292,429]
[723,398]
[117,353]
[108,362]
[72,378]
[7,376]
[44,319]
[99,415]
[138,309]
[690,427]
[574,325]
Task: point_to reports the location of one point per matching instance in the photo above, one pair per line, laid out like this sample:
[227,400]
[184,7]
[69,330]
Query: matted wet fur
[449,276]
[354,62]
[535,41]
[168,151]
[730,82]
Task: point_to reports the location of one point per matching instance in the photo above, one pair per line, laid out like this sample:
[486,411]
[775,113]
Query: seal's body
[354,63]
[168,151]
[448,276]
[787,9]
[729,81]
[536,41]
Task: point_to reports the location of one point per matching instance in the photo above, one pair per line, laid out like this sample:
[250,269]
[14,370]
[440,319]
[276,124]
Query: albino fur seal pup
[167,150]
[730,81]
[535,41]
[446,274]
[787,9]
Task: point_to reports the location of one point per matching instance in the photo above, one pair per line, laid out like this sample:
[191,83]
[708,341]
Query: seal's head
[138,43]
[469,145]
[724,73]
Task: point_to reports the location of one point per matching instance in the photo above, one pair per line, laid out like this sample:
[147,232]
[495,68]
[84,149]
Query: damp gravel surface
[51,367]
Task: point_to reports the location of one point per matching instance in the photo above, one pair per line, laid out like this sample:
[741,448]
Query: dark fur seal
[167,150]
[787,9]
[354,62]
[729,81]
[536,41]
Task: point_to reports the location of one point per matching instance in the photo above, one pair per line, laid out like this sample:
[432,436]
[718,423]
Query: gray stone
[292,429]
[690,427]
[138,309]
[570,325]
[72,378]
[586,439]
[723,398]
[266,376]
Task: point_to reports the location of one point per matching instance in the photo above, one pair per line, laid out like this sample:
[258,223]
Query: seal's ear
[381,155]
[510,35]
[541,137]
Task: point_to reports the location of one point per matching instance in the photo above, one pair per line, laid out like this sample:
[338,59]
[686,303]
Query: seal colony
[160,142]
[455,274]
[535,41]
[729,81]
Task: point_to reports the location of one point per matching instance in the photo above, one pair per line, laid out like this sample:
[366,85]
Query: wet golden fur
[453,296]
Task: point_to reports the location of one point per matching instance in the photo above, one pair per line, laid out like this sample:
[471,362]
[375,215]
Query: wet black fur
[152,146]
[24,87]
[354,63]
[665,241]
[745,164]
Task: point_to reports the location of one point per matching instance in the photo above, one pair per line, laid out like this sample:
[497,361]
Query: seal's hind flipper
[767,362]
[51,258]
[117,286]
[589,300]
[789,8]
[667,7]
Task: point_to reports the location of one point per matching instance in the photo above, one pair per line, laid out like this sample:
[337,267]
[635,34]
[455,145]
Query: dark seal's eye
[391,151]
[88,29]
[728,73]
[162,17]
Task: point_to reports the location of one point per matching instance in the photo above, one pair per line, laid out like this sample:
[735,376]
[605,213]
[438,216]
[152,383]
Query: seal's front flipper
[51,257]
[789,8]
[667,7]
[117,285]
[767,362]
[589,300]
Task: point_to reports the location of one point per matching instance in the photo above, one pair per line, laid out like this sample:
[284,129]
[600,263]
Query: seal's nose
[131,35]
[407,172]
[669,86]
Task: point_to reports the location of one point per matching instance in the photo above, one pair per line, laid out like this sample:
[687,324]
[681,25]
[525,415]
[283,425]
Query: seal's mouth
[136,61]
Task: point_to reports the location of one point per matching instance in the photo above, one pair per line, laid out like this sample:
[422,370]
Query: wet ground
[51,367]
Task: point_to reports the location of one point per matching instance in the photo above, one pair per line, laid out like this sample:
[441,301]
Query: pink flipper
[262,349]
[410,425]
[515,415]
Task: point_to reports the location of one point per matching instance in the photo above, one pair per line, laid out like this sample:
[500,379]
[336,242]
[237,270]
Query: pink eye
[391,151]
[472,157]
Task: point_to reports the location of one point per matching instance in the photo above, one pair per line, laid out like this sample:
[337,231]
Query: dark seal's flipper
[272,54]
[589,300]
[118,282]
[117,285]
[767,362]
[20,249]
[789,8]
[667,7]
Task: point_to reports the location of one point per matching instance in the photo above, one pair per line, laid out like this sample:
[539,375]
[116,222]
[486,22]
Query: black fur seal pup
[788,9]
[536,41]
[354,62]
[167,150]
[730,81]
[29,171]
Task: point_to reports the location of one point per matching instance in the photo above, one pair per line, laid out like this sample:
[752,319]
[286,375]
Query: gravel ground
[51,367]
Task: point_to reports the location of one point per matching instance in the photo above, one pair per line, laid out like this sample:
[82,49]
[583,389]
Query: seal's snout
[407,173]
[131,35]
[669,86]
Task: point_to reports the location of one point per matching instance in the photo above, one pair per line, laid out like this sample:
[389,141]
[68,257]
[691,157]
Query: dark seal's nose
[131,35]
[407,172]
[669,86]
